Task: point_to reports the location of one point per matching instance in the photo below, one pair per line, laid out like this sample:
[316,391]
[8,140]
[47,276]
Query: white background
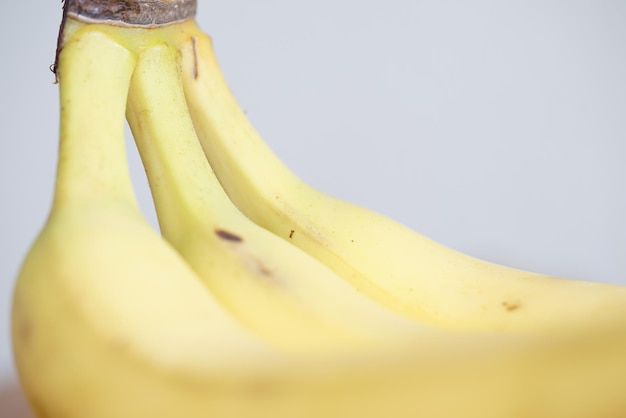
[497,128]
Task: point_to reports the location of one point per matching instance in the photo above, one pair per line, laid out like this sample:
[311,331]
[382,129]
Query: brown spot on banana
[511,306]
[263,269]
[228,236]
[194,47]
[251,260]
[260,269]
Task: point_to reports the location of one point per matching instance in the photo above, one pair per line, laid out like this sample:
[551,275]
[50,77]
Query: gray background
[497,128]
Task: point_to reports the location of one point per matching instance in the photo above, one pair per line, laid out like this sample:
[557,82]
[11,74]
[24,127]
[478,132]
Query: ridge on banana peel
[274,288]
[385,260]
[110,322]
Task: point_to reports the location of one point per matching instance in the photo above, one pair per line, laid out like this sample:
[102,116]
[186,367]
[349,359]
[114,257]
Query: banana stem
[143,13]
[131,13]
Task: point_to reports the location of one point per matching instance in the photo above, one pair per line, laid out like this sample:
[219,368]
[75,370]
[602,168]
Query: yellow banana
[109,321]
[277,290]
[103,307]
[394,265]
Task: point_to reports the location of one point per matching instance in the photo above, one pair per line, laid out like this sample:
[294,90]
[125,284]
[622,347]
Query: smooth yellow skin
[110,322]
[385,260]
[99,285]
[279,292]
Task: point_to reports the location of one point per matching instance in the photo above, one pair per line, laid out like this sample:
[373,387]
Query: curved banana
[274,288]
[394,265]
[103,307]
[110,322]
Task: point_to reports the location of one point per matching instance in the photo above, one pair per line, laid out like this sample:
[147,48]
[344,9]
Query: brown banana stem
[142,13]
[136,13]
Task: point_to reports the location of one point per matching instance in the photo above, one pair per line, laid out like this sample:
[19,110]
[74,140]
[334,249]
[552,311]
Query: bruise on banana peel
[255,264]
[510,306]
[232,237]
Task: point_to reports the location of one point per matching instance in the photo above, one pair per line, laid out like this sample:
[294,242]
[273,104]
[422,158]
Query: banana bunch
[263,297]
